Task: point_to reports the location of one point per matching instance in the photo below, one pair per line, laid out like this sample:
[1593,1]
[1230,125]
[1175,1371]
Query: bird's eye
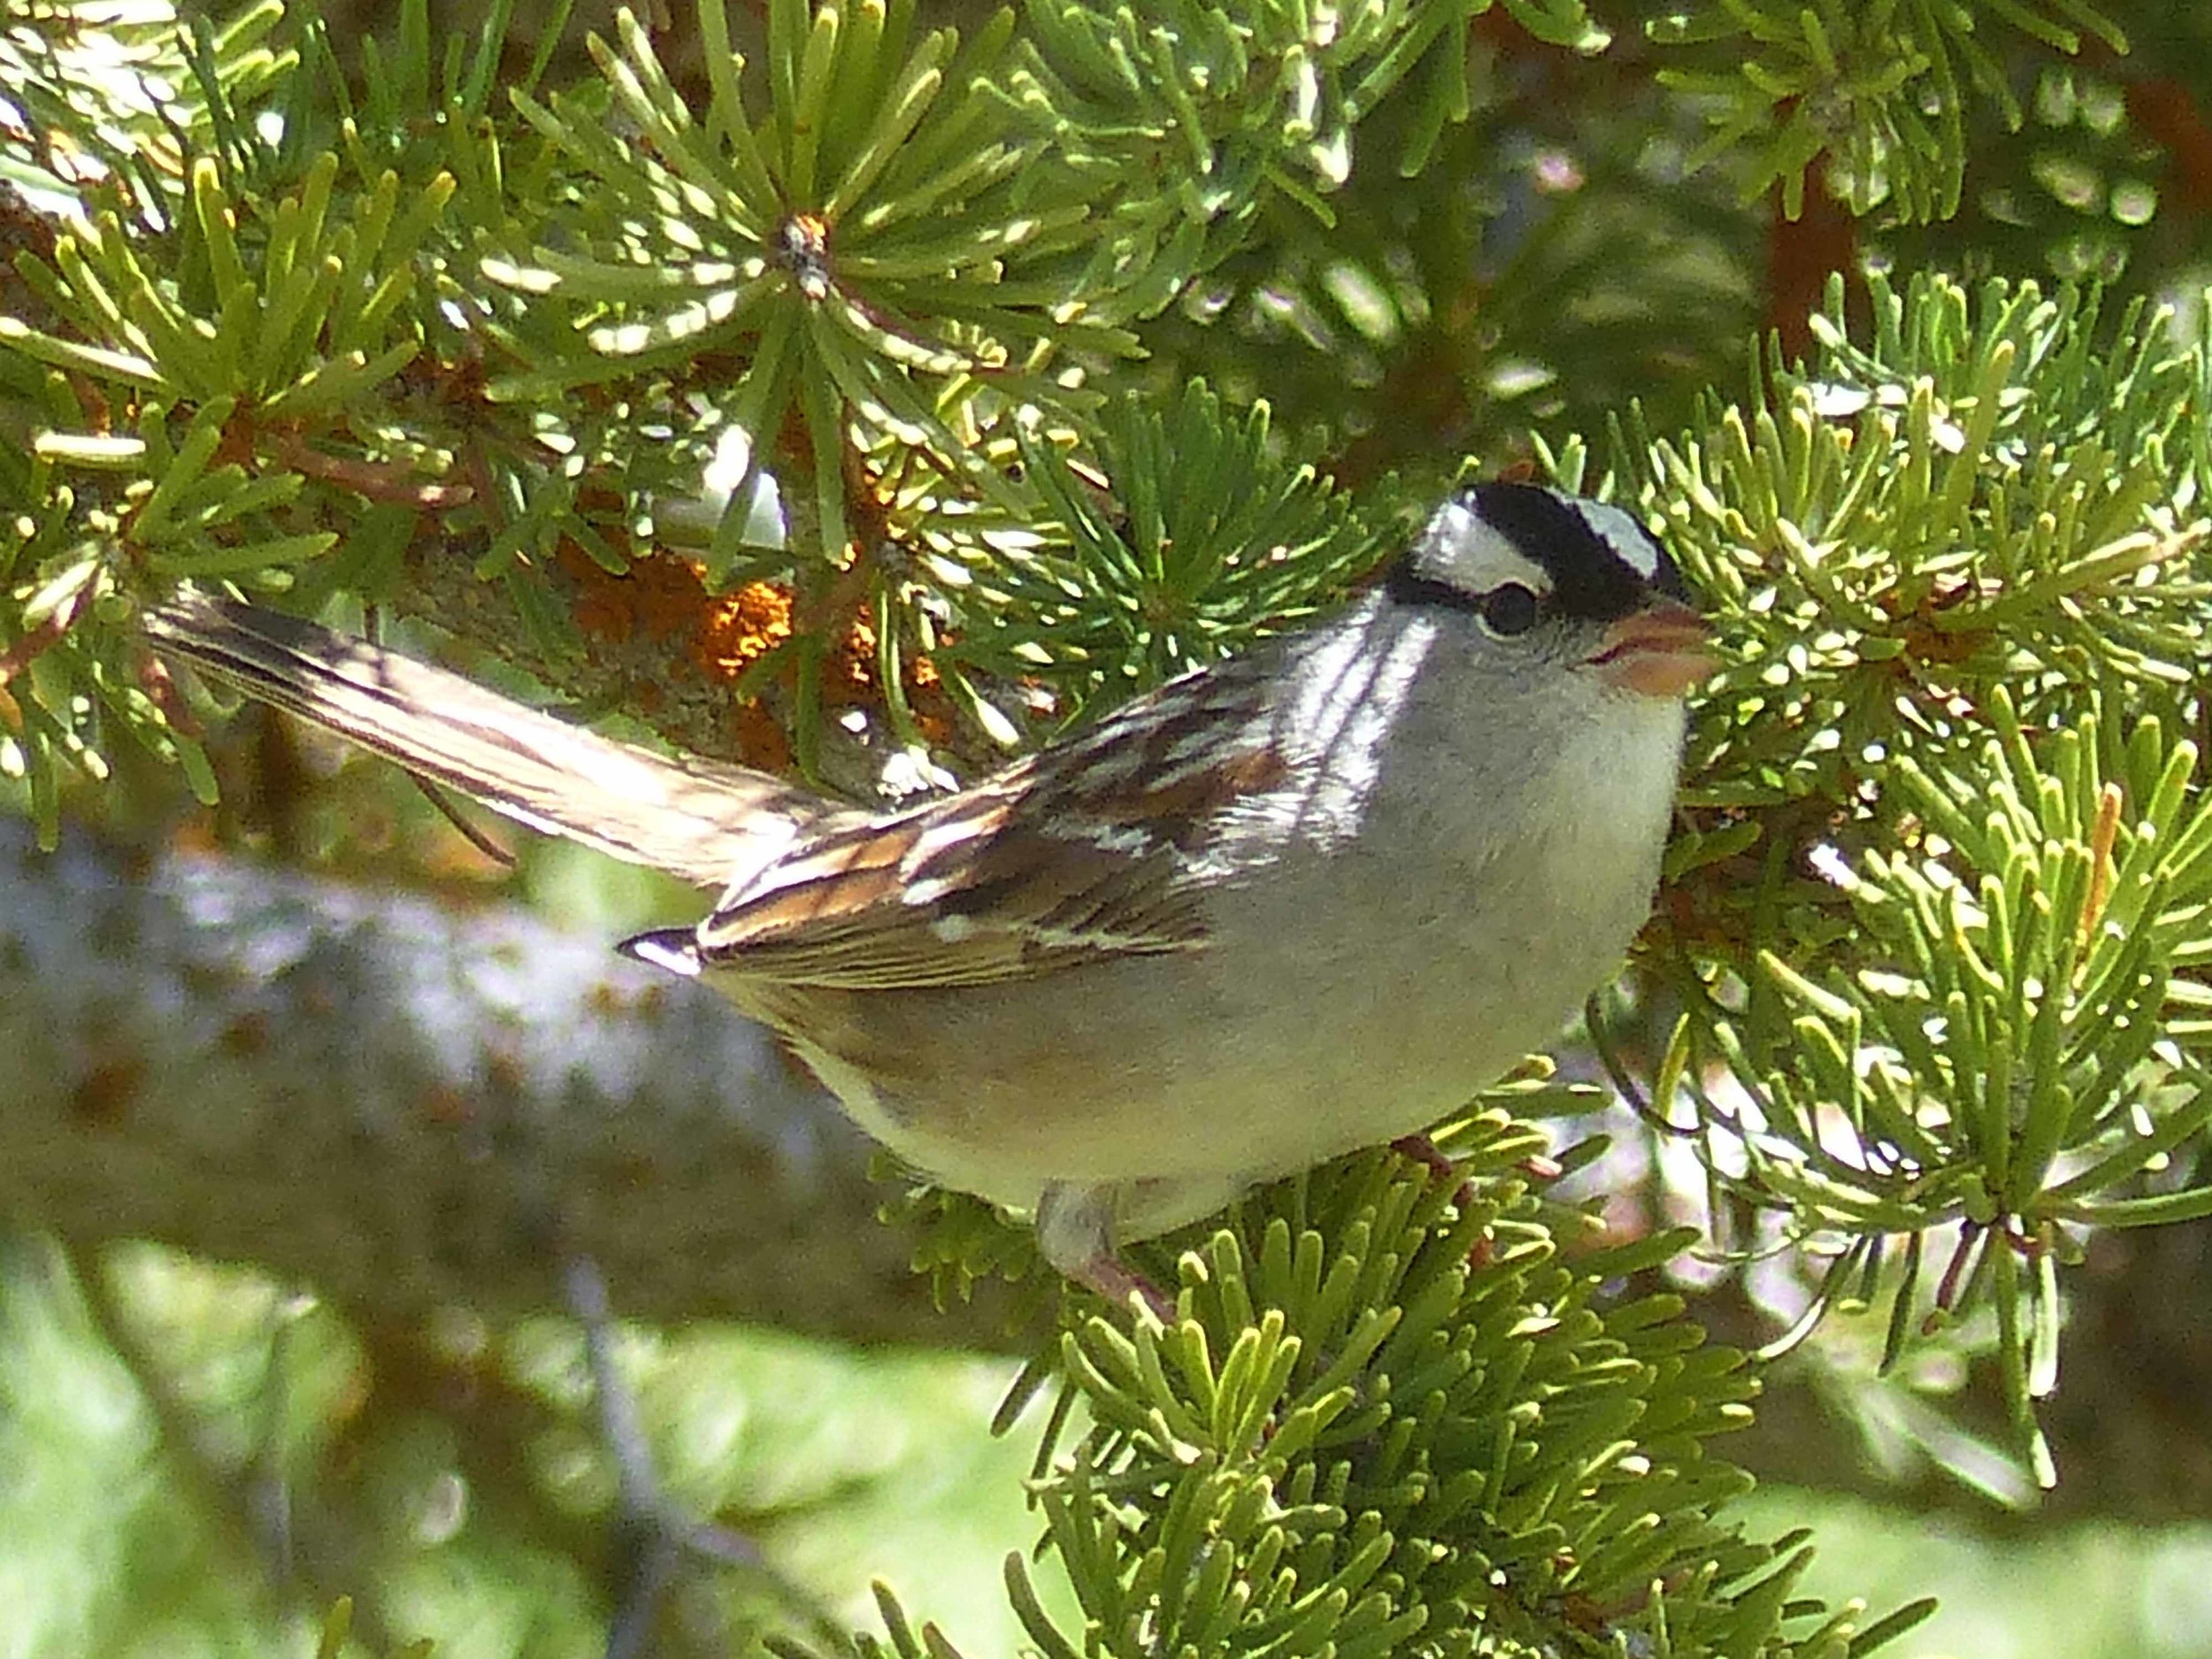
[1511,610]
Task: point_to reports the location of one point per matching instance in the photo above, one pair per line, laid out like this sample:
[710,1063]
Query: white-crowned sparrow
[1304,900]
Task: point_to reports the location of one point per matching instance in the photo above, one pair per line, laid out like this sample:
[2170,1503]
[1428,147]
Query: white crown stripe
[1621,531]
[1476,556]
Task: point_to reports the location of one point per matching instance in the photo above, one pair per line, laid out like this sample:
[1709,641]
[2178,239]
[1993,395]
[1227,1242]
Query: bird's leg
[1075,1230]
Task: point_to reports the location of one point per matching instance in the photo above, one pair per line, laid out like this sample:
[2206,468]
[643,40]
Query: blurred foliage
[1877,92]
[1950,852]
[1398,1416]
[1007,363]
[452,1480]
[1310,1507]
[1212,539]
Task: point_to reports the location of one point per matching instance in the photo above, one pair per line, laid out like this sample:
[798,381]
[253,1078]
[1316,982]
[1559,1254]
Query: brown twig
[34,642]
[1802,254]
[373,480]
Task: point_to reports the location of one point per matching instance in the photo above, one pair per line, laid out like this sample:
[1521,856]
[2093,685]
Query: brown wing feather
[1080,857]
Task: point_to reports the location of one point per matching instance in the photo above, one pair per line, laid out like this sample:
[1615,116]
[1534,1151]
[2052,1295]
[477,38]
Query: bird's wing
[1083,854]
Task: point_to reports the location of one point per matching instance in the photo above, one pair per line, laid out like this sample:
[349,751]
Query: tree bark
[407,1106]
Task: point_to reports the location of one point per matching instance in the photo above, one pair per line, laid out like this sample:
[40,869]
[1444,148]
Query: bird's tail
[708,823]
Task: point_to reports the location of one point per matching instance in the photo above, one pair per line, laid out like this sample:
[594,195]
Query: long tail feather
[710,823]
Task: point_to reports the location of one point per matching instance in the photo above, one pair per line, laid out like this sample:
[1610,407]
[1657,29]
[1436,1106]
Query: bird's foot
[1075,1230]
[1116,1280]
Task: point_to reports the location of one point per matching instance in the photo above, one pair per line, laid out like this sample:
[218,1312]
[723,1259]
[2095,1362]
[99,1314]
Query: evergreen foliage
[1019,364]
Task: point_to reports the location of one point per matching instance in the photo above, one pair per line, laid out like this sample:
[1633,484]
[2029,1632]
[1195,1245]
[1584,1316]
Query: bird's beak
[1661,651]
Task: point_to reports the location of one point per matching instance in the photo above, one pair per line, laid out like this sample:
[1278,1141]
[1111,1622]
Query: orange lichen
[852,664]
[658,597]
[759,739]
[742,627]
[725,636]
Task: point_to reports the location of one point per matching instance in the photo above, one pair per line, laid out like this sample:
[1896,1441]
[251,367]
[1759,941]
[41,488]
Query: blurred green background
[193,1459]
[482,1480]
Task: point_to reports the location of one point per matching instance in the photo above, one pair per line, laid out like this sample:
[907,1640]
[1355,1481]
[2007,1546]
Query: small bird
[1298,902]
